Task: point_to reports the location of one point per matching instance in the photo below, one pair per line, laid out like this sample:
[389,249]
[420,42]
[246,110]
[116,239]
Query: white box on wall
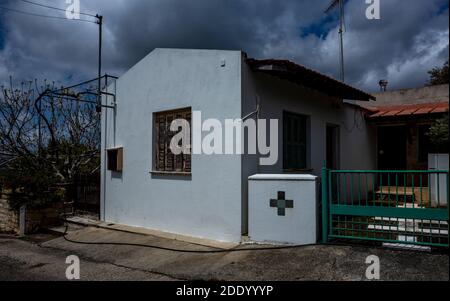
[283,209]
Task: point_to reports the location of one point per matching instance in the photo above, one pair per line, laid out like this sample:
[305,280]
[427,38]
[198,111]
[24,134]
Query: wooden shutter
[294,141]
[166,160]
[160,142]
[179,158]
[170,157]
[187,157]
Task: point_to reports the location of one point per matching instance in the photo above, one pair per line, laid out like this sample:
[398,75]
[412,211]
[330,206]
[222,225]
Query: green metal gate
[407,207]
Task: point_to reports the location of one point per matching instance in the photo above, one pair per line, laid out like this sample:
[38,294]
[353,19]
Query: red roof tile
[410,109]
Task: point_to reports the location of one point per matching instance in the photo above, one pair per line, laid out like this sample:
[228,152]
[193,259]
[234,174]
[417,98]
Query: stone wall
[9,219]
[34,218]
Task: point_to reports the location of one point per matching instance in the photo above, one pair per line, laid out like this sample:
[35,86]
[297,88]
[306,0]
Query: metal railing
[396,206]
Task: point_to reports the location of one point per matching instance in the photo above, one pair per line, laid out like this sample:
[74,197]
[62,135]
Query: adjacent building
[403,119]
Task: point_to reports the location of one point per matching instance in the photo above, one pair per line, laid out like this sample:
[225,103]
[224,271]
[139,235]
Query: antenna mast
[332,5]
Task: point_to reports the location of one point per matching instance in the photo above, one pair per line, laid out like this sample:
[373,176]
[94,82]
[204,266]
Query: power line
[55,8]
[43,16]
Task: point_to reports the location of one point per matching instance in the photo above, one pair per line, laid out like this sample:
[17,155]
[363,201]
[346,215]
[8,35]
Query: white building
[207,195]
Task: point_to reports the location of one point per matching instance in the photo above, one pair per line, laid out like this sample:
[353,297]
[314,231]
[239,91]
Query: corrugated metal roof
[309,78]
[408,110]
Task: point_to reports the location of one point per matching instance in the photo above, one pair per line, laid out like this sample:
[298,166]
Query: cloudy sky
[411,37]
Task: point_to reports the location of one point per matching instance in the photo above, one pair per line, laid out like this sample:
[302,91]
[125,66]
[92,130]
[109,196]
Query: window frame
[114,155]
[186,159]
[286,164]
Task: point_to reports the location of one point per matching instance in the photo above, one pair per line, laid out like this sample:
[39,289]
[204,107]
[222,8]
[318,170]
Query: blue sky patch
[443,8]
[319,29]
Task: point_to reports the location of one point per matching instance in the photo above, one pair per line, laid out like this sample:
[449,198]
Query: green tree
[438,133]
[439,75]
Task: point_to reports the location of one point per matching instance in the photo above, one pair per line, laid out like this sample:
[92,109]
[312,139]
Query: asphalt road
[46,260]
[28,261]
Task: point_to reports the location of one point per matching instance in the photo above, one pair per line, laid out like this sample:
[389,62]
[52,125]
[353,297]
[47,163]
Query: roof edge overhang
[301,75]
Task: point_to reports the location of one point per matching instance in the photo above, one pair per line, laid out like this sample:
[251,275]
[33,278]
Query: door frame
[336,144]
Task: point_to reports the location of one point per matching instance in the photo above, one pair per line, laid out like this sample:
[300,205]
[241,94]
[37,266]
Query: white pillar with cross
[283,209]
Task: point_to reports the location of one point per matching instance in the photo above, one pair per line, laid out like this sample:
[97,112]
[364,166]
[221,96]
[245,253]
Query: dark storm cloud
[215,24]
[411,37]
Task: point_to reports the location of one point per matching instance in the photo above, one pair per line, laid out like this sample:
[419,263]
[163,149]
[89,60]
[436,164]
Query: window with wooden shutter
[165,159]
[295,141]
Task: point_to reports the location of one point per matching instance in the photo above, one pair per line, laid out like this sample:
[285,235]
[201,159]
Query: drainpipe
[257,111]
[105,159]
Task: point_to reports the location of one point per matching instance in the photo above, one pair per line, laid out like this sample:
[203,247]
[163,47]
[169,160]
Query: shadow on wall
[171,177]
[116,175]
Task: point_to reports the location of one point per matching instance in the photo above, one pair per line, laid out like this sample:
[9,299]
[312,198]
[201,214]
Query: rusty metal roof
[299,74]
[409,110]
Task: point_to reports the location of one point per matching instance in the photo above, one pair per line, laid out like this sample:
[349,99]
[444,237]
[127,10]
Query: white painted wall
[298,226]
[357,139]
[213,202]
[206,205]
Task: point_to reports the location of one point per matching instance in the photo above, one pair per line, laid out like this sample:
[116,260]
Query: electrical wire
[43,16]
[287,247]
[174,249]
[184,250]
[221,251]
[85,83]
[55,8]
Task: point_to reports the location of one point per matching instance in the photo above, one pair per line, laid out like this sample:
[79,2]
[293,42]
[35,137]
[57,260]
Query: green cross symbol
[281,203]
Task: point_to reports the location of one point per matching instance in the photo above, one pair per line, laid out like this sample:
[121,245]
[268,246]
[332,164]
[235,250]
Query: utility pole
[99,89]
[341,35]
[39,128]
[333,4]
[99,102]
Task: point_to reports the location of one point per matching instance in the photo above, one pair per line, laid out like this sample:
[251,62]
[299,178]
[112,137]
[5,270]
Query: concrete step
[400,246]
